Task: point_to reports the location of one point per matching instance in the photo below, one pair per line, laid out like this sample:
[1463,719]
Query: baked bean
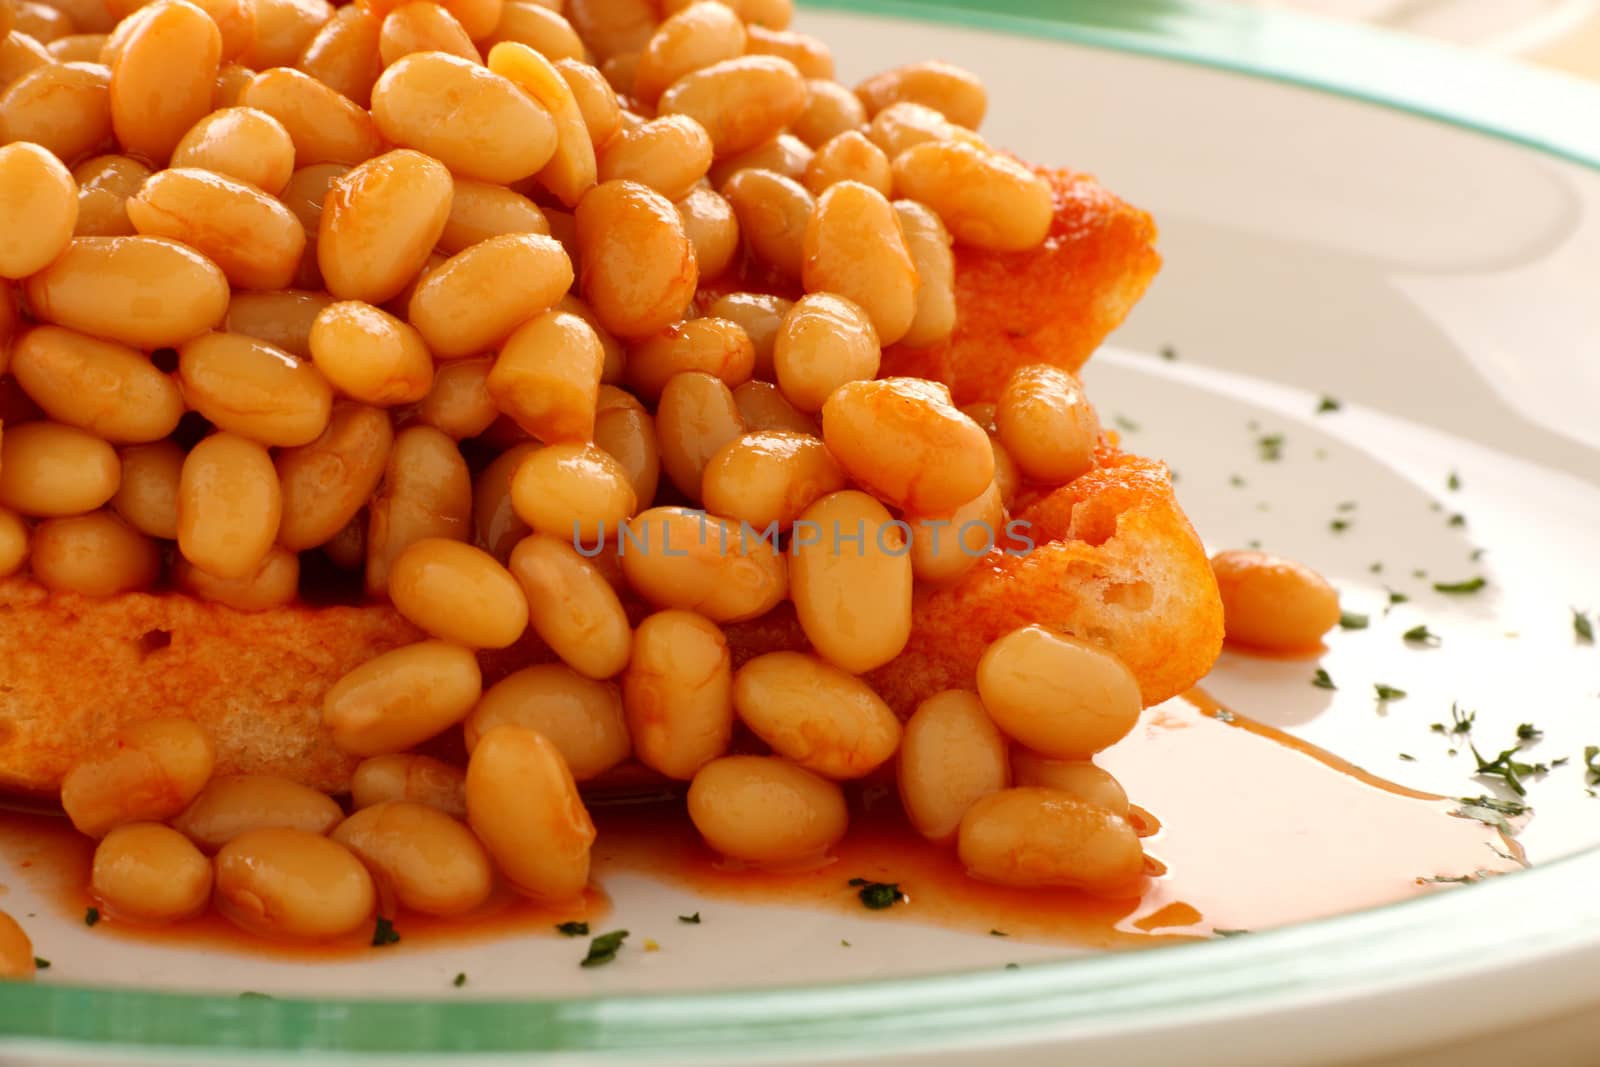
[476,122]
[524,807]
[38,209]
[988,201]
[774,214]
[94,555]
[713,231]
[902,439]
[111,390]
[459,403]
[282,319]
[956,94]
[162,81]
[48,470]
[13,542]
[496,526]
[242,143]
[1270,602]
[402,698]
[823,342]
[234,804]
[853,247]
[809,55]
[771,14]
[275,583]
[951,756]
[815,715]
[345,54]
[547,377]
[149,873]
[677,693]
[19,54]
[284,28]
[282,882]
[1058,695]
[944,547]
[582,717]
[831,110]
[1046,424]
[458,593]
[574,610]
[854,603]
[849,157]
[929,244]
[42,22]
[679,558]
[326,127]
[231,80]
[571,170]
[1078,778]
[596,100]
[1028,838]
[767,811]
[785,154]
[759,315]
[253,389]
[369,355]
[629,435]
[305,195]
[325,483]
[379,223]
[422,26]
[479,295]
[575,491]
[254,239]
[613,26]
[17,961]
[740,102]
[689,40]
[426,492]
[540,28]
[229,505]
[89,16]
[769,477]
[147,771]
[147,498]
[77,48]
[764,407]
[479,210]
[901,126]
[669,154]
[409,777]
[428,861]
[695,418]
[147,292]
[65,107]
[638,268]
[714,346]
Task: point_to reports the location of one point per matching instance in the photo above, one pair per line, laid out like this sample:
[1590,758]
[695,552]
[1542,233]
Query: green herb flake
[1582,626]
[1408,757]
[1168,353]
[40,963]
[1349,620]
[1327,404]
[1387,693]
[1013,966]
[1468,585]
[1397,597]
[1591,763]
[91,916]
[690,920]
[1453,482]
[1270,447]
[1125,424]
[1322,680]
[250,994]
[573,929]
[384,933]
[877,895]
[1508,769]
[1420,635]
[1475,555]
[1339,525]
[603,949]
[998,933]
[1222,931]
[1528,732]
[1375,568]
[843,943]
[459,980]
[1456,520]
[1236,481]
[1346,505]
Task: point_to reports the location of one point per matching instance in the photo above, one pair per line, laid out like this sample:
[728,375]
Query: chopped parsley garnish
[691,920]
[1236,481]
[1492,811]
[1457,520]
[573,929]
[603,949]
[1453,879]
[1505,767]
[1419,574]
[1227,932]
[40,963]
[1168,353]
[1327,404]
[1397,598]
[459,980]
[1322,680]
[1453,482]
[1013,966]
[1591,763]
[1421,635]
[1528,732]
[1270,447]
[843,943]
[1408,757]
[384,933]
[91,916]
[1582,626]
[1347,505]
[998,933]
[250,994]
[1475,555]
[1349,620]
[877,895]
[1125,424]
[1339,525]
[1461,721]
[1376,568]
[1469,585]
[1388,692]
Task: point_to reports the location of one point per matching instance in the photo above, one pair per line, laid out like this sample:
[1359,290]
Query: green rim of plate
[1548,910]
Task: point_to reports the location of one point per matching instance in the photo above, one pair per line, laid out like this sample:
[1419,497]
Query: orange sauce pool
[1245,828]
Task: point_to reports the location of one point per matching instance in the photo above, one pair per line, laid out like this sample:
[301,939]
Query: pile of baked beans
[438,292]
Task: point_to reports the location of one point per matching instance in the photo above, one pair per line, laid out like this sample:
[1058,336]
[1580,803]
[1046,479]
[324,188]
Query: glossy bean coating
[849,157]
[148,771]
[759,315]
[149,873]
[94,555]
[715,346]
[426,492]
[13,542]
[47,470]
[379,224]
[283,30]
[1030,838]
[241,143]
[275,583]
[147,497]
[774,213]
[952,754]
[678,558]
[815,715]
[459,403]
[280,882]
[104,185]
[229,504]
[38,209]
[854,247]
[1046,424]
[324,484]
[282,319]
[252,237]
[111,390]
[369,355]
[496,527]
[629,435]
[987,200]
[956,94]
[423,26]
[458,593]
[481,210]
[580,716]
[250,388]
[571,170]
[65,107]
[851,580]
[638,270]
[429,862]
[325,126]
[161,82]
[1273,603]
[740,102]
[929,244]
[677,693]
[695,418]
[767,811]
[578,492]
[823,342]
[902,439]
[410,777]
[524,807]
[478,296]
[345,53]
[147,292]
[1056,694]
[572,607]
[688,40]
[1078,778]
[547,377]
[944,547]
[769,476]
[17,961]
[401,698]
[831,109]
[669,154]
[540,28]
